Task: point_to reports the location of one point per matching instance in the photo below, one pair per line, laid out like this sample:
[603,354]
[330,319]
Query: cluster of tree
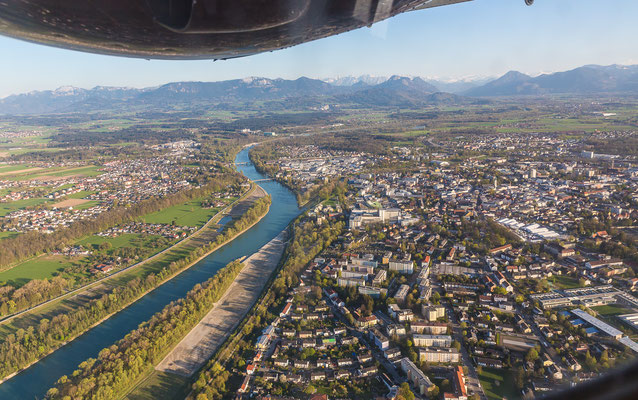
[119,366]
[32,293]
[133,134]
[309,239]
[32,243]
[260,157]
[26,346]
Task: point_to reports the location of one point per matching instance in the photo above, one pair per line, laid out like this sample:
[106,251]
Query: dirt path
[203,340]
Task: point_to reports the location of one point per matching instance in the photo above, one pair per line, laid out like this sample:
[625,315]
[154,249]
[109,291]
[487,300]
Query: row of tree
[29,345]
[309,239]
[33,243]
[119,366]
[33,292]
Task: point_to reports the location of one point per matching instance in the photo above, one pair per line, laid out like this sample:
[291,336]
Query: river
[34,381]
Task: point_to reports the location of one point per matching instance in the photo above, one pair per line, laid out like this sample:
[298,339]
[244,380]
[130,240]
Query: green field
[498,384]
[124,240]
[565,282]
[81,194]
[37,268]
[6,208]
[90,170]
[45,266]
[161,385]
[188,214]
[8,234]
[14,167]
[612,309]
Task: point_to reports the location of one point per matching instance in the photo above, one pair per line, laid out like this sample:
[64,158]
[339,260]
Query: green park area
[498,384]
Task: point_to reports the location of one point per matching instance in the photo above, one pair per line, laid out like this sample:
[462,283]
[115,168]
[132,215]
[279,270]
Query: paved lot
[202,342]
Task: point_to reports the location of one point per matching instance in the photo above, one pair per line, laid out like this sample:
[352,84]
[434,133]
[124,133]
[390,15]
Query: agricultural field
[32,173]
[42,267]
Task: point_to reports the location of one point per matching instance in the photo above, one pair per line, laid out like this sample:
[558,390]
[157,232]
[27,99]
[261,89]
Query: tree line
[309,240]
[32,243]
[117,367]
[28,345]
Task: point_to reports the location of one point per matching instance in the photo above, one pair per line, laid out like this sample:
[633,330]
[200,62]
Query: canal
[33,382]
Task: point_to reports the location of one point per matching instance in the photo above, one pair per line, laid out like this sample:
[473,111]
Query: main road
[34,381]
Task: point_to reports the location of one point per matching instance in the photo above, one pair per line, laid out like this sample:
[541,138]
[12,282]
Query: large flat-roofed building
[598,324]
[439,355]
[416,376]
[402,267]
[551,300]
[431,328]
[630,319]
[432,340]
[589,296]
[432,313]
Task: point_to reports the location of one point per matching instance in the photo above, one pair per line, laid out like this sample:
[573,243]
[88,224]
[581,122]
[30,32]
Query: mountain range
[303,92]
[396,91]
[589,79]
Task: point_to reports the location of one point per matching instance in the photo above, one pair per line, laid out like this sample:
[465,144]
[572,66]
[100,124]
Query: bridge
[263,180]
[243,163]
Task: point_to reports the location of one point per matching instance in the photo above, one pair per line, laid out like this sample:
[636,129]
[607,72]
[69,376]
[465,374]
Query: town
[482,277]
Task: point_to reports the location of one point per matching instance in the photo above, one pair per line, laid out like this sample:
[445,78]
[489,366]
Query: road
[77,291]
[472,379]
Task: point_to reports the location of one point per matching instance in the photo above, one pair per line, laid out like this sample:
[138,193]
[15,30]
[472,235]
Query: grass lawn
[36,268]
[161,385]
[6,208]
[612,309]
[498,383]
[187,214]
[565,282]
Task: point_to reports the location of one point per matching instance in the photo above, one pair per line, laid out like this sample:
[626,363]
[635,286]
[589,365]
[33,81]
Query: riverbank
[77,291]
[202,342]
[35,381]
[255,193]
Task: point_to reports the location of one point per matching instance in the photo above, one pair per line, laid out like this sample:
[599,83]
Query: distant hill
[402,91]
[302,92]
[589,79]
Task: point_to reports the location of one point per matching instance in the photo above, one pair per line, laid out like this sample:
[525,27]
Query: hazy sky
[479,38]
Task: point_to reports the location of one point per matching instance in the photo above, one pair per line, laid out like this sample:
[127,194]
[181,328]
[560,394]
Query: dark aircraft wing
[191,29]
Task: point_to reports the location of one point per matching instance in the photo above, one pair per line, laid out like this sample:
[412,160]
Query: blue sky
[479,38]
